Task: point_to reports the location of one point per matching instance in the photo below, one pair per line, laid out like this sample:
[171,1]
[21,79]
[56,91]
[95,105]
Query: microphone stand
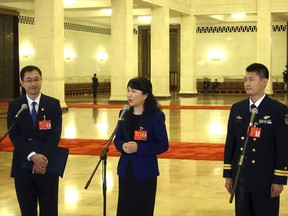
[103,157]
[240,164]
[10,128]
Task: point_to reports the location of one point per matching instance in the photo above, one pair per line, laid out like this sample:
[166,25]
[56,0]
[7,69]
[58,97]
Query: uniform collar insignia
[266,117]
[238,117]
[286,119]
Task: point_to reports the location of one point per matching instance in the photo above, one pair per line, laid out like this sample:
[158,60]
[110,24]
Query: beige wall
[239,50]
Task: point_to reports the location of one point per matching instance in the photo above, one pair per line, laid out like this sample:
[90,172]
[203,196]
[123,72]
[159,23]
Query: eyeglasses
[30,81]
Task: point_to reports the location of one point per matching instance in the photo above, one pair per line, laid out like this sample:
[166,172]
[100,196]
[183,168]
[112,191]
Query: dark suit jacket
[24,132]
[143,163]
[266,160]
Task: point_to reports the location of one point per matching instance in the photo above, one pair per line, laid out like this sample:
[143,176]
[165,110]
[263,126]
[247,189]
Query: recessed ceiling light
[144,18]
[238,15]
[69,2]
[106,11]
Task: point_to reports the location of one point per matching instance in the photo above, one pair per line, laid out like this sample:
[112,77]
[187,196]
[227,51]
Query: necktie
[252,107]
[34,113]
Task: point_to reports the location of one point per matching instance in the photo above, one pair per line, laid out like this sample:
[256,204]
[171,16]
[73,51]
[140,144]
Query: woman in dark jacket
[141,136]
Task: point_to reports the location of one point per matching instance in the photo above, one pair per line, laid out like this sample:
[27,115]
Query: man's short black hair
[261,70]
[29,68]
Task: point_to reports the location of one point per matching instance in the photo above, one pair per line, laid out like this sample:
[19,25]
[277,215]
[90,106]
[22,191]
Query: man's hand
[229,185]
[276,189]
[40,163]
[38,170]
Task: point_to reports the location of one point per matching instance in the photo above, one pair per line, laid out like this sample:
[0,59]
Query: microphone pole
[103,157]
[23,107]
[254,112]
[8,131]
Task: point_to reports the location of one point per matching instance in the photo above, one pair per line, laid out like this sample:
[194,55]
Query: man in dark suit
[264,169]
[35,186]
[95,85]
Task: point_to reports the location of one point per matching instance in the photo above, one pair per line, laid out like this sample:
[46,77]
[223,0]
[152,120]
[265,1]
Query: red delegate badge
[140,135]
[45,125]
[255,132]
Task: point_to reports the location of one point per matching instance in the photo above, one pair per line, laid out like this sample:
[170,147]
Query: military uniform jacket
[266,157]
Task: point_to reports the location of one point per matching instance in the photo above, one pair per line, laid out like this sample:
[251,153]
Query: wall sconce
[26,52]
[69,54]
[216,55]
[102,56]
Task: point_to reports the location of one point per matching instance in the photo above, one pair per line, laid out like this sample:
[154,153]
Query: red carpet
[177,150]
[119,106]
[163,106]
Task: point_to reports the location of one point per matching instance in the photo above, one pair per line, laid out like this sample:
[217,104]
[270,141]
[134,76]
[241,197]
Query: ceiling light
[69,2]
[144,18]
[238,15]
[106,11]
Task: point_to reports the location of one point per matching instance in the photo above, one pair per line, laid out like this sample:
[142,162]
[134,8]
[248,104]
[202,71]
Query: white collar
[257,103]
[37,100]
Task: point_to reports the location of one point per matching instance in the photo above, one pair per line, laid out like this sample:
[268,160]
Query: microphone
[23,107]
[254,112]
[124,110]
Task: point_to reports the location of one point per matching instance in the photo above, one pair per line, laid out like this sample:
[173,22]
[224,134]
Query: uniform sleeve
[281,136]
[229,146]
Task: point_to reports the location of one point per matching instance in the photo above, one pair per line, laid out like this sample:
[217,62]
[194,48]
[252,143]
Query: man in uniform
[264,168]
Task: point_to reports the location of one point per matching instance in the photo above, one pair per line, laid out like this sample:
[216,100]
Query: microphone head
[24,106]
[254,110]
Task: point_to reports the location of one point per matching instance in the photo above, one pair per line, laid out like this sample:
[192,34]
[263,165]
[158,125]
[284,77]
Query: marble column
[160,50]
[187,76]
[264,38]
[49,29]
[121,48]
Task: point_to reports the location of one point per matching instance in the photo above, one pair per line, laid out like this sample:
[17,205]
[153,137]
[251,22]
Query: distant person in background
[215,86]
[141,136]
[95,85]
[206,85]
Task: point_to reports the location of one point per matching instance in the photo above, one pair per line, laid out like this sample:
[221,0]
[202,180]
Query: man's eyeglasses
[30,81]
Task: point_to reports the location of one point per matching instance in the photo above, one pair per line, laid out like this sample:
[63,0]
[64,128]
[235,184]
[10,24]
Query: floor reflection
[185,187]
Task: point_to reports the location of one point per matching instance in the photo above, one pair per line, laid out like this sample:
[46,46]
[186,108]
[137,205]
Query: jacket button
[254,150]
[253,161]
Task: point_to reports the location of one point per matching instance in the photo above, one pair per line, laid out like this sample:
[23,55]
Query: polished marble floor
[185,187]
